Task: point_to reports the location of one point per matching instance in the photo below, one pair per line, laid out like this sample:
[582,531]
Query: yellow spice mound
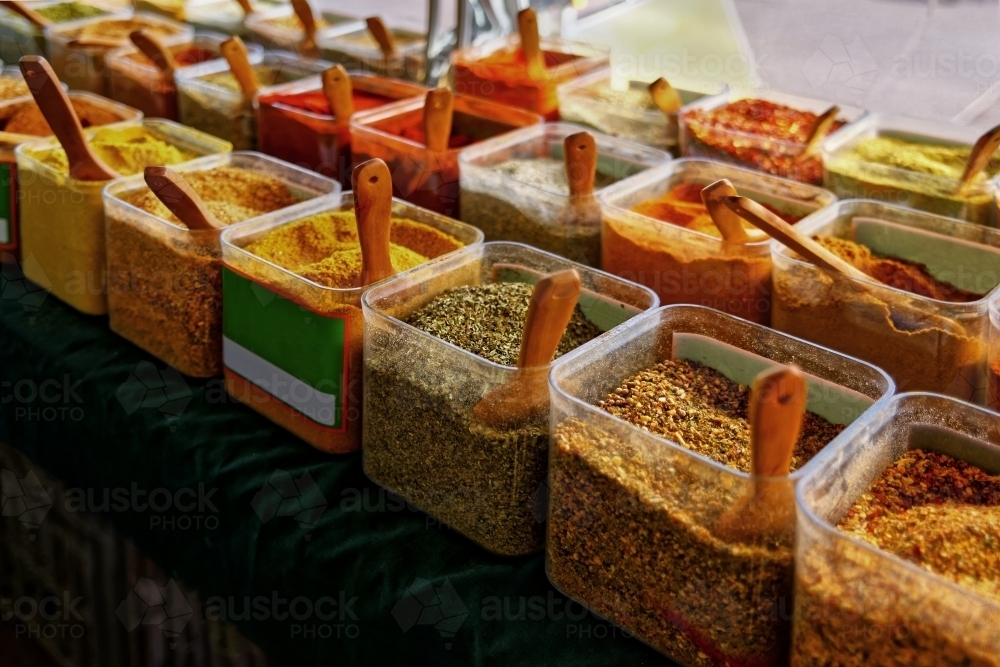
[127,150]
[343,268]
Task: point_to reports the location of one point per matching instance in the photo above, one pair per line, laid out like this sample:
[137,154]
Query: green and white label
[289,351]
[7,203]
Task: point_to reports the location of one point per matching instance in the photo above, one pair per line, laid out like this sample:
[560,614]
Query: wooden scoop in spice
[531,44]
[246,7]
[26,12]
[178,196]
[439,106]
[580,160]
[762,219]
[526,396]
[372,185]
[308,47]
[84,164]
[665,96]
[819,131]
[154,49]
[339,93]
[381,34]
[767,512]
[979,157]
[235,53]
[729,224]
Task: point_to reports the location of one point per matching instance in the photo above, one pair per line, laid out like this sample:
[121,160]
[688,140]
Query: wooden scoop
[84,164]
[372,185]
[439,109]
[728,223]
[819,131]
[665,96]
[235,53]
[531,45]
[26,12]
[246,7]
[777,406]
[775,227]
[526,396]
[339,93]
[381,34]
[305,14]
[979,157]
[580,160]
[154,49]
[178,196]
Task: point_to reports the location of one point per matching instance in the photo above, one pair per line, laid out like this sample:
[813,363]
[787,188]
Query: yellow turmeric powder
[127,150]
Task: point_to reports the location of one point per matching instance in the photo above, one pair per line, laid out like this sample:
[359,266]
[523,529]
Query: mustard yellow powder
[127,150]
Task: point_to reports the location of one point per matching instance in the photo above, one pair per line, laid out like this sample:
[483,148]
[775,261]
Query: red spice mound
[314,101]
[416,133]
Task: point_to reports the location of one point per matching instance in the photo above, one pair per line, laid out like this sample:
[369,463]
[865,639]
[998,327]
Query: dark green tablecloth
[101,414]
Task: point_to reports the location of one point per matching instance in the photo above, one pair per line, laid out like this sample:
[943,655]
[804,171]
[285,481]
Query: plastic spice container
[909,162]
[210,99]
[19,37]
[165,280]
[280,28]
[83,67]
[497,71]
[136,81]
[763,131]
[422,440]
[925,344]
[225,16]
[62,219]
[353,46]
[426,178]
[685,265]
[514,188]
[91,109]
[293,128]
[993,370]
[856,604]
[632,516]
[292,348]
[625,108]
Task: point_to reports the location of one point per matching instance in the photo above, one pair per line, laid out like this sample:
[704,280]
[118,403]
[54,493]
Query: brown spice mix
[27,118]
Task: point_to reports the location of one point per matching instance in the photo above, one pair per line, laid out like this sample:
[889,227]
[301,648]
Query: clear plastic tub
[684,265]
[225,16]
[136,81]
[10,237]
[496,71]
[625,108]
[537,209]
[83,67]
[292,349]
[62,218]
[749,147]
[426,178]
[314,140]
[353,46]
[19,37]
[632,516]
[279,28]
[165,280]
[850,175]
[210,99]
[923,343]
[422,440]
[993,356]
[858,605]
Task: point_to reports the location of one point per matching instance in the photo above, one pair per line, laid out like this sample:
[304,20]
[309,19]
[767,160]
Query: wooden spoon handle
[580,160]
[760,217]
[339,93]
[980,156]
[372,185]
[178,196]
[728,223]
[235,53]
[665,96]
[154,49]
[438,115]
[531,44]
[308,19]
[84,164]
[382,35]
[777,406]
[246,7]
[551,307]
[819,130]
[27,12]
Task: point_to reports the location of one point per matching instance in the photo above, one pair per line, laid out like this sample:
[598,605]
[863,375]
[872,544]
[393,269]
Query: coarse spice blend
[296,280]
[630,525]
